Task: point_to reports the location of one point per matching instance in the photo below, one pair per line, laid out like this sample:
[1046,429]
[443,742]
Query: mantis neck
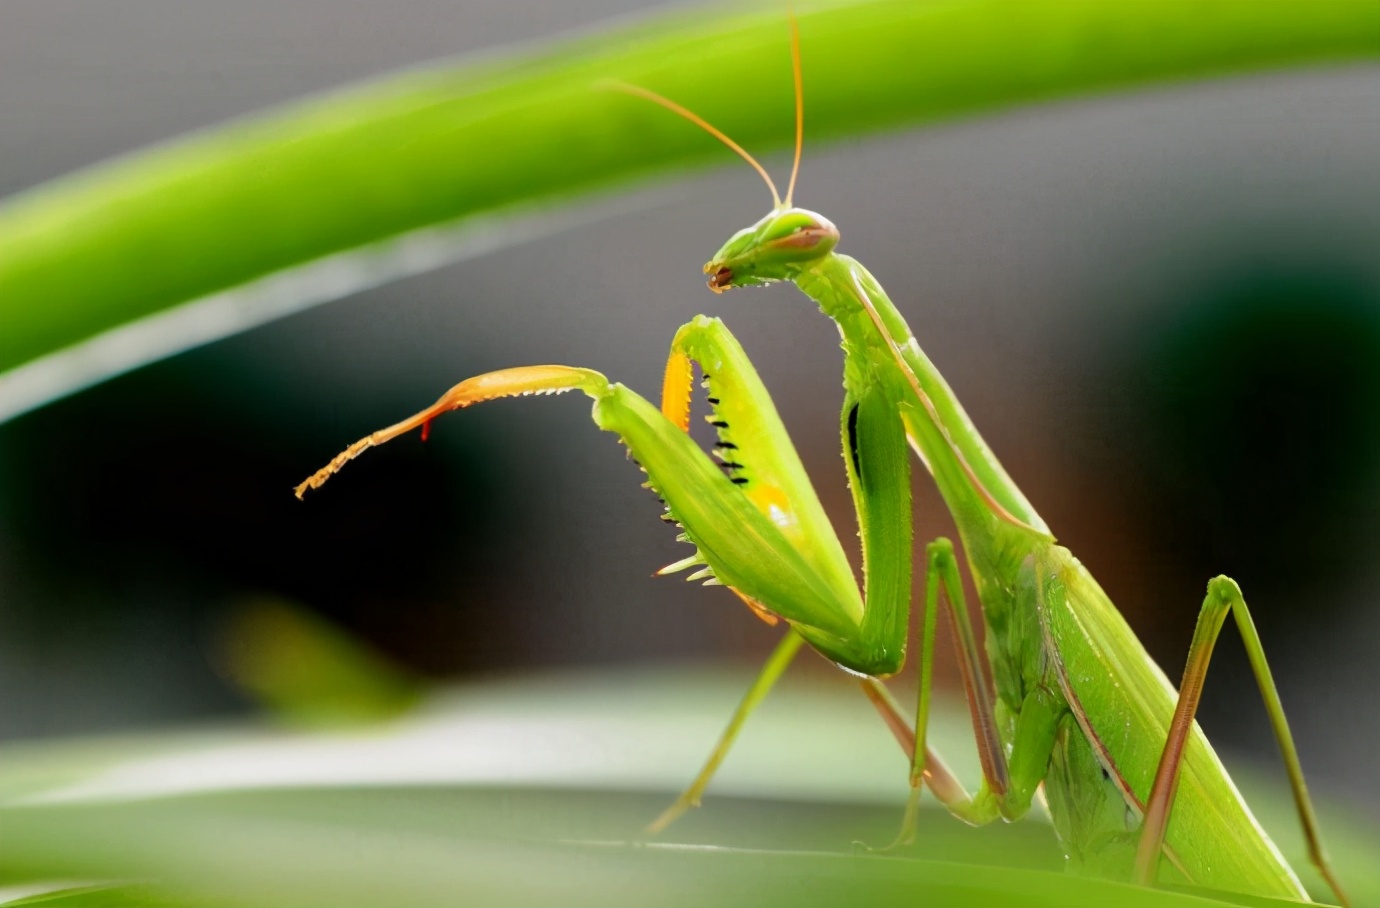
[967,472]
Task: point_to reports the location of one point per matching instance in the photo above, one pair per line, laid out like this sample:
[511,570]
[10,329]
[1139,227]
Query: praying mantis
[1075,708]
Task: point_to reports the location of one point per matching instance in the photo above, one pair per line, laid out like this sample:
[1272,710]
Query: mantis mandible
[1075,703]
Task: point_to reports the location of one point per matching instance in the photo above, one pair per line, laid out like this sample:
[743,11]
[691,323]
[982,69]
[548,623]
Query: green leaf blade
[143,234]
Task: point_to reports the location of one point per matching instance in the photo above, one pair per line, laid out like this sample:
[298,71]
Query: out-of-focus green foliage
[499,134]
[453,806]
[218,818]
[253,853]
[308,671]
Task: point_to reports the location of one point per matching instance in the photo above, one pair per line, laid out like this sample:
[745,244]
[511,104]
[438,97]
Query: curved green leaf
[455,801]
[220,209]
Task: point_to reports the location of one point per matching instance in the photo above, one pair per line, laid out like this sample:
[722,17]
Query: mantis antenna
[714,131]
[704,124]
[799,106]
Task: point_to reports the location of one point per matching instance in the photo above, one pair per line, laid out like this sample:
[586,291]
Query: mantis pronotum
[1075,704]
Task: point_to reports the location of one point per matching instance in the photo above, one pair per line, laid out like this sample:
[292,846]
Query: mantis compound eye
[800,233]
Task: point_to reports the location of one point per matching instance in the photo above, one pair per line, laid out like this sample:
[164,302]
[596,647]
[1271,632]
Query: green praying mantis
[1075,705]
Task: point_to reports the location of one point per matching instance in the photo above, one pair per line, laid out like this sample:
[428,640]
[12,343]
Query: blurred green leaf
[97,896]
[244,854]
[453,806]
[517,133]
[307,670]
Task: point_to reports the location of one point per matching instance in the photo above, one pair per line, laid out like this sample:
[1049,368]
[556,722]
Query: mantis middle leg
[1008,785]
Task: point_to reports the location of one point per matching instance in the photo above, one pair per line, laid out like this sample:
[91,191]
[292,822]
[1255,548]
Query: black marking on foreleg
[853,441]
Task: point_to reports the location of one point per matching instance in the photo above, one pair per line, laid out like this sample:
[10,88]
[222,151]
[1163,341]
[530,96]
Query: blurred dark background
[1162,309]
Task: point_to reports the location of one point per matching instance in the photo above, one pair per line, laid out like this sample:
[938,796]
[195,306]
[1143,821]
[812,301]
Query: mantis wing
[1123,703]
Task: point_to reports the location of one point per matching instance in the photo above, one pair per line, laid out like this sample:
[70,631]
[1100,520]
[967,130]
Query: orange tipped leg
[489,386]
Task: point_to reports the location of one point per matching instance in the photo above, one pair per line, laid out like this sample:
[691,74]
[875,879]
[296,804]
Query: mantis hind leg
[1224,596]
[776,666]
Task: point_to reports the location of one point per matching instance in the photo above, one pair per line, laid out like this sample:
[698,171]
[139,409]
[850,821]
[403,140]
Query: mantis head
[773,249]
[780,245]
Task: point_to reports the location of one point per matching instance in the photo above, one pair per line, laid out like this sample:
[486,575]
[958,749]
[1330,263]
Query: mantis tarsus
[1075,704]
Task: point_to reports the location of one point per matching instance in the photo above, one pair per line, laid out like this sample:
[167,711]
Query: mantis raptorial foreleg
[1223,596]
[490,386]
[779,491]
[753,516]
